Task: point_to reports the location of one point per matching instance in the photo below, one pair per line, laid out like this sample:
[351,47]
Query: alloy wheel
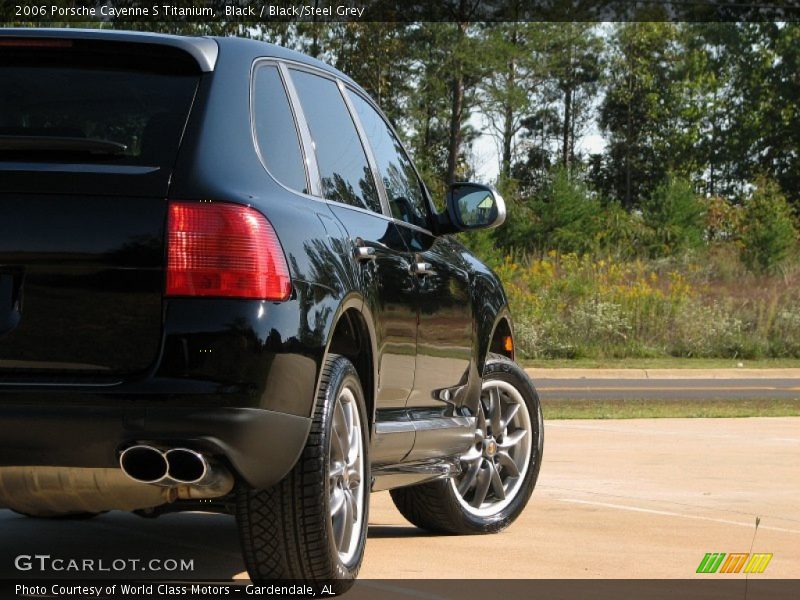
[346,475]
[495,466]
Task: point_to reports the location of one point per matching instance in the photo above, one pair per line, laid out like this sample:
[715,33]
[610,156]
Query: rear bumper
[260,445]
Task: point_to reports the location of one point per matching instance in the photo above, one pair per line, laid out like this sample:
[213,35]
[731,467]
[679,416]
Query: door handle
[422,268]
[365,254]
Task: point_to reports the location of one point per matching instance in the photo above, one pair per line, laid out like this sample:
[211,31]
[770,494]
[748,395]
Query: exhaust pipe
[188,472]
[186,466]
[144,464]
[196,476]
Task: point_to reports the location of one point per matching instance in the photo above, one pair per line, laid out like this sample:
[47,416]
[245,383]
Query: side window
[343,166]
[403,187]
[276,133]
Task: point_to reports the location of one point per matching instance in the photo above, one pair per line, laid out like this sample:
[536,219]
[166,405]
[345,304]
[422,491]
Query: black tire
[286,531]
[436,506]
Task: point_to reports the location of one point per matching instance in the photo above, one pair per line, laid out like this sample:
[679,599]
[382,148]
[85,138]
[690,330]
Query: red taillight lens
[224,250]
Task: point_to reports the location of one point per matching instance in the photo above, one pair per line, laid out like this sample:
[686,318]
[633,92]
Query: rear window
[58,110]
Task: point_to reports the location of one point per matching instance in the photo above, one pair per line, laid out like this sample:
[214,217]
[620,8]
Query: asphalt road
[667,389]
[616,499]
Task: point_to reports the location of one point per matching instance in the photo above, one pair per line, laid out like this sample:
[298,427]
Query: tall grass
[570,306]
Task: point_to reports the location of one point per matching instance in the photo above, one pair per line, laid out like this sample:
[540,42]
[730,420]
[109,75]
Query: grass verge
[662,363]
[649,408]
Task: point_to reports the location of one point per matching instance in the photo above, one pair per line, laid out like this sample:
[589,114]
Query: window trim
[298,66]
[310,158]
[425,194]
[362,136]
[307,167]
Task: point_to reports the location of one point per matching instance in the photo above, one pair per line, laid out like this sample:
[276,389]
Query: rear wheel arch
[352,337]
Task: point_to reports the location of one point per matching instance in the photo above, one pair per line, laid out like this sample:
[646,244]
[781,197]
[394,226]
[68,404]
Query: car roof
[258,48]
[204,49]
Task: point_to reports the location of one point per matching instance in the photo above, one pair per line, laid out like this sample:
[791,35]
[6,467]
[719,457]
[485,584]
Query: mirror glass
[476,206]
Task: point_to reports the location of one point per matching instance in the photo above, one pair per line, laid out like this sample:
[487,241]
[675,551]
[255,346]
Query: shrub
[723,220]
[623,233]
[674,215]
[768,230]
[582,307]
[566,216]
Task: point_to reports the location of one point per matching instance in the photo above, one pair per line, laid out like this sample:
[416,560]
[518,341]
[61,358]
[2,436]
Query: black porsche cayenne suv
[224,286]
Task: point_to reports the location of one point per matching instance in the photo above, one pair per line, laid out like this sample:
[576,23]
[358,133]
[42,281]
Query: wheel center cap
[489,447]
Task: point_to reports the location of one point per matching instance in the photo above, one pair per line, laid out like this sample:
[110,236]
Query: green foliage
[564,215]
[582,307]
[567,216]
[768,234]
[622,234]
[638,112]
[674,214]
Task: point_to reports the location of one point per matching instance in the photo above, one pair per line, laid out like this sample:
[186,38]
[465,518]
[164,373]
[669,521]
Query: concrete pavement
[634,498]
[616,499]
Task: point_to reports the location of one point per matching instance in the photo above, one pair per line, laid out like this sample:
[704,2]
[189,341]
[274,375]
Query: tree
[566,216]
[768,114]
[516,69]
[574,52]
[674,214]
[358,52]
[769,234]
[638,111]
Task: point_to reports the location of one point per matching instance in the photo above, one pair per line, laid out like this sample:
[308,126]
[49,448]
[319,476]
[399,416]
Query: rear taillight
[228,250]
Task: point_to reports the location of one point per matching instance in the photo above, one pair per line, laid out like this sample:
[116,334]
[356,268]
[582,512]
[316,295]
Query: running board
[394,476]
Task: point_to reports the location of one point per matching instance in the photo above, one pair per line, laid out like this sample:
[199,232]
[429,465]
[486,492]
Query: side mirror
[474,206]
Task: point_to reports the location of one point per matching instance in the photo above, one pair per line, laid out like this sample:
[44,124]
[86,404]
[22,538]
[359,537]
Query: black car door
[445,332]
[388,287]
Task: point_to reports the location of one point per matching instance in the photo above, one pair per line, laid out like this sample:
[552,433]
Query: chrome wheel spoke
[512,439]
[354,478]
[339,445]
[479,436]
[353,507]
[353,436]
[469,478]
[484,479]
[497,483]
[495,409]
[337,470]
[347,526]
[509,415]
[337,501]
[481,421]
[508,464]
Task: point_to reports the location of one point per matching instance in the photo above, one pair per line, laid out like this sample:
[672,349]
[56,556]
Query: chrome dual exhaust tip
[173,467]
[144,464]
[186,466]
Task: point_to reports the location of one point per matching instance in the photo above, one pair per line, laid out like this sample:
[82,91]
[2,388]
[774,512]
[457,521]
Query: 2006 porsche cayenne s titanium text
[224,286]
